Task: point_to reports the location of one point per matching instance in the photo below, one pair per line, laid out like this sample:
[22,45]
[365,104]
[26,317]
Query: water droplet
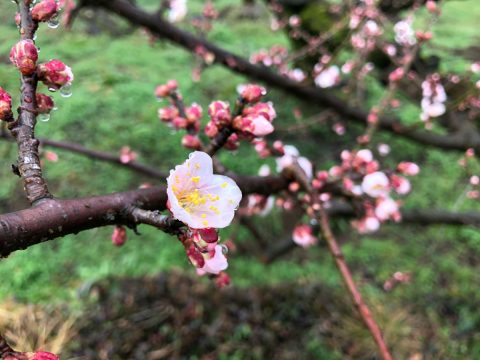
[44,117]
[52,89]
[54,22]
[66,90]
[35,38]
[224,249]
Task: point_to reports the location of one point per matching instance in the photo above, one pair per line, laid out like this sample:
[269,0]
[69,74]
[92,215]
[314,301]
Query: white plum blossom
[199,198]
[376,184]
[178,10]
[433,100]
[404,33]
[216,263]
[302,236]
[328,77]
[291,154]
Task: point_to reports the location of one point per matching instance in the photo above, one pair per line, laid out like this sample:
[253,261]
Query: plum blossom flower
[404,33]
[387,209]
[367,225]
[376,184]
[199,198]
[178,10]
[291,154]
[303,236]
[328,77]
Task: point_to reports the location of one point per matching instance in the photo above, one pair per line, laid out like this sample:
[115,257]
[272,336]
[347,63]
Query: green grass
[113,105]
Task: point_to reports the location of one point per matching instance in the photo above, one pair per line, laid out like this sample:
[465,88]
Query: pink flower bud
[222,280]
[210,235]
[127,155]
[303,236]
[431,6]
[191,142]
[45,103]
[119,236]
[194,113]
[51,156]
[44,10]
[167,114]
[408,168]
[162,91]
[18,19]
[252,93]
[24,56]
[55,74]
[5,106]
[232,142]
[219,112]
[211,130]
[179,123]
[396,75]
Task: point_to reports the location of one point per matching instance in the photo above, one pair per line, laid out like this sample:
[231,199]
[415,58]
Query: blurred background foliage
[113,106]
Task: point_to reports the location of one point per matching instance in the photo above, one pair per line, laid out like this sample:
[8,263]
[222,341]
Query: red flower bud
[210,235]
[119,236]
[253,93]
[232,142]
[179,123]
[5,106]
[162,91]
[194,113]
[24,56]
[167,114]
[222,280]
[191,142]
[44,10]
[195,257]
[55,74]
[45,103]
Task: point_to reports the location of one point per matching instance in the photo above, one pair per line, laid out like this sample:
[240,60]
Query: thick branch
[164,29]
[52,219]
[23,129]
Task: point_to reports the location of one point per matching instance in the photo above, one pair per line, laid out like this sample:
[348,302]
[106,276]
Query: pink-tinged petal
[303,236]
[376,184]
[217,263]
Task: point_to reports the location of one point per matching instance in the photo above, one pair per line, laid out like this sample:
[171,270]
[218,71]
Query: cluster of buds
[45,10]
[24,56]
[55,74]
[5,106]
[204,252]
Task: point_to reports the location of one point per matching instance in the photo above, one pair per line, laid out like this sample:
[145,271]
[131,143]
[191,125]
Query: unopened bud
[24,56]
[55,74]
[219,112]
[5,106]
[252,93]
[191,142]
[45,103]
[45,10]
[119,236]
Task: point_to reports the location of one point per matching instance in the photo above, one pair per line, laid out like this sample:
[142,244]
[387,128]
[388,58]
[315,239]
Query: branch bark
[164,29]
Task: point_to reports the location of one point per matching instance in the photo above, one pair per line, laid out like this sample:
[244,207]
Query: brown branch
[342,266]
[23,129]
[52,218]
[158,26]
[97,155]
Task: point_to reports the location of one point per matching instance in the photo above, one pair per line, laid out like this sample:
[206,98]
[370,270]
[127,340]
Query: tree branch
[164,29]
[23,129]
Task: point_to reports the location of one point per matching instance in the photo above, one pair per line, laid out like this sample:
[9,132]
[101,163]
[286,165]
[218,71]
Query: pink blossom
[51,156]
[219,112]
[367,225]
[292,155]
[404,34]
[215,261]
[383,149]
[199,198]
[191,142]
[376,184]
[400,184]
[387,208]
[303,236]
[252,93]
[328,77]
[256,124]
[474,180]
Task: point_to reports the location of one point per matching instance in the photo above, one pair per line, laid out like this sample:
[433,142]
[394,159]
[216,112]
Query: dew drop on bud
[66,90]
[53,23]
[52,89]
[44,117]
[224,249]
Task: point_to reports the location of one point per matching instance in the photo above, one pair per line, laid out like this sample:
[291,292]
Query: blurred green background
[113,106]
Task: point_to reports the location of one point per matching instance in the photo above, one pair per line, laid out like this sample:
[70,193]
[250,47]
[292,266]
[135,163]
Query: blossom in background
[5,105]
[404,33]
[291,154]
[127,155]
[328,77]
[387,209]
[178,10]
[376,184]
[199,198]
[434,98]
[303,236]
